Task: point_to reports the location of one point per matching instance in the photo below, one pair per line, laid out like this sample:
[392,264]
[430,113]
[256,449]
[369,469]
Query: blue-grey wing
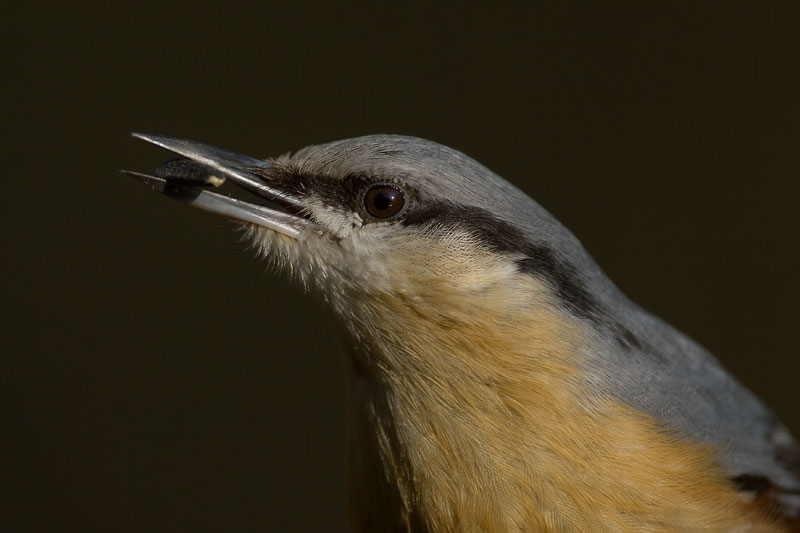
[672,378]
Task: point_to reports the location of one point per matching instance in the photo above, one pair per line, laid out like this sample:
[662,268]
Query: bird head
[385,225]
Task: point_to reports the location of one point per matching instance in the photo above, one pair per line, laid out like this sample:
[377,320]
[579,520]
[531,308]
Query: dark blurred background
[159,378]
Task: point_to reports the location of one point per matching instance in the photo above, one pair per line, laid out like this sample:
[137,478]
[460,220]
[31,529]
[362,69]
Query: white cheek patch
[365,255]
[353,257]
[346,253]
[340,223]
[449,258]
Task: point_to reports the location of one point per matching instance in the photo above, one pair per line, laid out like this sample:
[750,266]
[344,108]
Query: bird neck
[474,415]
[440,404]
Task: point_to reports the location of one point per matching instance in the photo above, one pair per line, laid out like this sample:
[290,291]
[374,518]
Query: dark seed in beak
[181,171]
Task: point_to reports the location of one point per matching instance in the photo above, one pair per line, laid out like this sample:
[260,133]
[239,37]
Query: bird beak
[201,165]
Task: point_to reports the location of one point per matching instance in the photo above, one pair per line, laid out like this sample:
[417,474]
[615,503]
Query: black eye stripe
[350,192]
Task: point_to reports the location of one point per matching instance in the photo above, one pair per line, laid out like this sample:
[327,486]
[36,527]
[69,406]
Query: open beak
[201,165]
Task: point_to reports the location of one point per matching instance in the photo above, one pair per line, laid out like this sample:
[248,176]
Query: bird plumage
[499,381]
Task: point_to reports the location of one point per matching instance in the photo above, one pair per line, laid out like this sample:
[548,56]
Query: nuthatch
[498,380]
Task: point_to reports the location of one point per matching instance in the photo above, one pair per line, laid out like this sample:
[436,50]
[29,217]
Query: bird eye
[384,201]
